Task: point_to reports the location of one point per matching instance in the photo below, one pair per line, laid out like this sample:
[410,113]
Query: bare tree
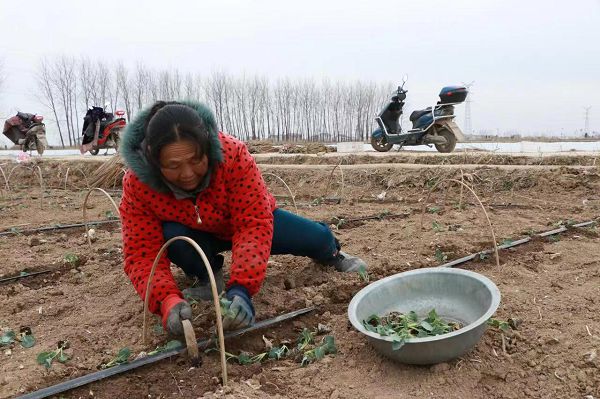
[66,86]
[48,92]
[140,85]
[127,89]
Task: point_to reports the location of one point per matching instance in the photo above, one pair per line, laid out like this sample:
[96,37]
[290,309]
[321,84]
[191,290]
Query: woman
[187,179]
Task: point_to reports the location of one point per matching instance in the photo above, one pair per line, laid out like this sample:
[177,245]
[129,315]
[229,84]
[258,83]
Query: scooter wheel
[450,141]
[381,144]
[95,151]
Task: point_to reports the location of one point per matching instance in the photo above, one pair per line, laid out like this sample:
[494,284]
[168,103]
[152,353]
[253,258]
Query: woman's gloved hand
[239,311]
[174,310]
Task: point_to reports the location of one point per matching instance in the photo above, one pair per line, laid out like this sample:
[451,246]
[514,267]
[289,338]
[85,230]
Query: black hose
[121,368]
[56,227]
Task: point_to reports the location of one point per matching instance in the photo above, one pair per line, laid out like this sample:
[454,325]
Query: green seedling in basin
[46,358]
[401,327]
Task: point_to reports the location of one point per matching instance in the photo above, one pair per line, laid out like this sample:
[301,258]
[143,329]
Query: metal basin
[457,295]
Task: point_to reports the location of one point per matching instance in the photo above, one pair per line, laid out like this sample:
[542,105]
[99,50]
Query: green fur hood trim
[134,156]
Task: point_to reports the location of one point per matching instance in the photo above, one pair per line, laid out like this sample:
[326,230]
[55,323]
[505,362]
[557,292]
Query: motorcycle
[101,130]
[27,131]
[432,125]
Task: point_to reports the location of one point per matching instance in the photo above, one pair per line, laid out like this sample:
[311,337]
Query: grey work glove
[174,310]
[239,311]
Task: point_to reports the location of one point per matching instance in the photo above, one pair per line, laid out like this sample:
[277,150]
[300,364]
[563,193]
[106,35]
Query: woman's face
[181,165]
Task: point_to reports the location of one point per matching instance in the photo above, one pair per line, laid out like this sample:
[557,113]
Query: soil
[552,284]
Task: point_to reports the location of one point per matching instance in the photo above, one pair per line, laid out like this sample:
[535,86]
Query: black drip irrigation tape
[516,243]
[3,280]
[57,227]
[121,368]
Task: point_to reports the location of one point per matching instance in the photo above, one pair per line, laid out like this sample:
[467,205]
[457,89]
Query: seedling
[7,338]
[122,357]
[306,338]
[530,232]
[338,222]
[459,206]
[362,272]
[500,324]
[561,223]
[437,227]
[484,255]
[554,238]
[110,215]
[46,358]
[26,337]
[165,348]
[72,260]
[401,326]
[440,256]
[433,209]
[306,351]
[327,347]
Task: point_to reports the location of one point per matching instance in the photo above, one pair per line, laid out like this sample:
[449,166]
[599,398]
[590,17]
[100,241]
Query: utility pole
[468,122]
[586,129]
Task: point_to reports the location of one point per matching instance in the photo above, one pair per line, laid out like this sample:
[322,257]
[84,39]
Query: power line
[468,122]
[586,129]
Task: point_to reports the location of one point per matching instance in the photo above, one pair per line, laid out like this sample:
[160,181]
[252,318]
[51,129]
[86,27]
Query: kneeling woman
[187,179]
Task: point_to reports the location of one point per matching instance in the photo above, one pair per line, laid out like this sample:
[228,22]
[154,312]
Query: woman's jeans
[292,235]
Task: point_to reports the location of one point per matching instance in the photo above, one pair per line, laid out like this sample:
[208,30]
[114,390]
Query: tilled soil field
[385,215]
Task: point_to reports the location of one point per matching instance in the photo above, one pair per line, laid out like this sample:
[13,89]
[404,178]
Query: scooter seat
[419,113]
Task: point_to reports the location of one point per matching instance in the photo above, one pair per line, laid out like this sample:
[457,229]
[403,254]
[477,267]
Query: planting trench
[550,284]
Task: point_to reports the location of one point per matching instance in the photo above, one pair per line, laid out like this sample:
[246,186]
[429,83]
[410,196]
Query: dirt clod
[34,241]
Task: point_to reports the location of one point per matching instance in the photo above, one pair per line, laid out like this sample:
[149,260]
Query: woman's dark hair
[169,122]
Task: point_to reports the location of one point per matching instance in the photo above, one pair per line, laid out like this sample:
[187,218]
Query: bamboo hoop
[213,286]
[32,169]
[87,183]
[85,210]
[286,186]
[5,179]
[480,203]
[41,187]
[117,177]
[338,166]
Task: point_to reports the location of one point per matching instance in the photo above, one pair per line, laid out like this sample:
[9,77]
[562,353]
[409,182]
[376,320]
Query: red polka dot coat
[235,206]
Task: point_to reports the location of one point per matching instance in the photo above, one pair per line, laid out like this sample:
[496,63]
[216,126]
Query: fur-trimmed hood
[135,134]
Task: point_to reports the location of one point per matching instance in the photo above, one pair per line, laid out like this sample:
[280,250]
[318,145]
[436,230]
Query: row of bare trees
[249,107]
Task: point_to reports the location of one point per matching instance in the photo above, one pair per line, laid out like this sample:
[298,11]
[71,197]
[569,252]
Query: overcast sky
[535,64]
